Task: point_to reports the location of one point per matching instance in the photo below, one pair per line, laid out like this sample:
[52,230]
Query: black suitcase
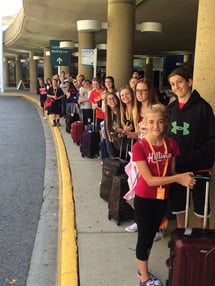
[118,209]
[111,167]
[69,120]
[192,252]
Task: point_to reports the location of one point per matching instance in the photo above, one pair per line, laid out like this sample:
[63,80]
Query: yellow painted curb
[67,248]
[68,272]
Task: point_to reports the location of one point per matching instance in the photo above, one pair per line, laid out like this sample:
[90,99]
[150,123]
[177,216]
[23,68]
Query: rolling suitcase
[77,128]
[89,144]
[192,252]
[118,209]
[111,167]
[69,120]
[90,139]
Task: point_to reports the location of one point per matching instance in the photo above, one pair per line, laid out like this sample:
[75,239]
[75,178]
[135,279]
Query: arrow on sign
[59,60]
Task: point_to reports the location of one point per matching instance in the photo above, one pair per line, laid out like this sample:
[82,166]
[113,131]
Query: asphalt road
[22,167]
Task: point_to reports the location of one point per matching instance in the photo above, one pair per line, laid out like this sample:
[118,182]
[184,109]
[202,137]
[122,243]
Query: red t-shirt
[143,153]
[95,97]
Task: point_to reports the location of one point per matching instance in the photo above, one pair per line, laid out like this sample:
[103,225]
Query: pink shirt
[144,153]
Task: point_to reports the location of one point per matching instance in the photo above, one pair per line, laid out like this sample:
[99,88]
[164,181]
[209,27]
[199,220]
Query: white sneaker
[157,236]
[131,228]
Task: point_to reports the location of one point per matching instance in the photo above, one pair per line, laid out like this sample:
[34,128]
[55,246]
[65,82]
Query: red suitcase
[77,128]
[192,252]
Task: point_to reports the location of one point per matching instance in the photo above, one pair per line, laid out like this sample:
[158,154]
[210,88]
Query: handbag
[133,176]
[48,103]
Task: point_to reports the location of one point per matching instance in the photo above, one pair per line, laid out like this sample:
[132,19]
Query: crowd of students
[170,144]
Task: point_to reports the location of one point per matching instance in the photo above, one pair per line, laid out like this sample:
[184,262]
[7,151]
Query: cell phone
[128,122]
[113,132]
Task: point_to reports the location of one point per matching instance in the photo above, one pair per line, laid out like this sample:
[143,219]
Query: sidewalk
[106,251]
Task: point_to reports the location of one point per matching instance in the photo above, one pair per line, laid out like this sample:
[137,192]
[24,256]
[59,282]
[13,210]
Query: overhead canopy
[40,21]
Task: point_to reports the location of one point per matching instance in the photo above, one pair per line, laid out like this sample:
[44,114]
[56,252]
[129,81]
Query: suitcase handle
[207,178]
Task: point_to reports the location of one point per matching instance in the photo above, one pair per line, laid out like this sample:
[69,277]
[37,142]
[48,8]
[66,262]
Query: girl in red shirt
[96,100]
[154,156]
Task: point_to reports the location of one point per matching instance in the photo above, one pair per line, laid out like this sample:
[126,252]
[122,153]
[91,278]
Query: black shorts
[56,107]
[178,197]
[43,98]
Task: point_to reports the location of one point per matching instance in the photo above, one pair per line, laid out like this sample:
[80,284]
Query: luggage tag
[188,231]
[160,193]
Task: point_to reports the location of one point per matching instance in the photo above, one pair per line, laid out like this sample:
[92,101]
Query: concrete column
[149,68]
[161,81]
[33,72]
[120,40]
[74,67]
[18,70]
[47,64]
[66,69]
[6,72]
[85,40]
[188,61]
[204,63]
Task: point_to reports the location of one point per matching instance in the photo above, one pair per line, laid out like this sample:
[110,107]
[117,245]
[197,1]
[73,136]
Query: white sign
[87,57]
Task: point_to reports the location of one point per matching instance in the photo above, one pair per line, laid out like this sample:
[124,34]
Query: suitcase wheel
[109,216]
[118,219]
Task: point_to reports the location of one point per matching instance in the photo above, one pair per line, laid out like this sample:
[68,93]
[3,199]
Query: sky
[10,7]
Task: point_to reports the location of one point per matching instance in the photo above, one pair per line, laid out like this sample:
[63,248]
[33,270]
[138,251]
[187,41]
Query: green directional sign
[58,56]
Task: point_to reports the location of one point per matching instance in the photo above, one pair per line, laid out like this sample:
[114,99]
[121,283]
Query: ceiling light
[66,45]
[101,46]
[149,27]
[75,54]
[36,58]
[88,25]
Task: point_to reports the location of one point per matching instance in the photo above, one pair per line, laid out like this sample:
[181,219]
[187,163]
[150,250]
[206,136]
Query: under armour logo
[185,127]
